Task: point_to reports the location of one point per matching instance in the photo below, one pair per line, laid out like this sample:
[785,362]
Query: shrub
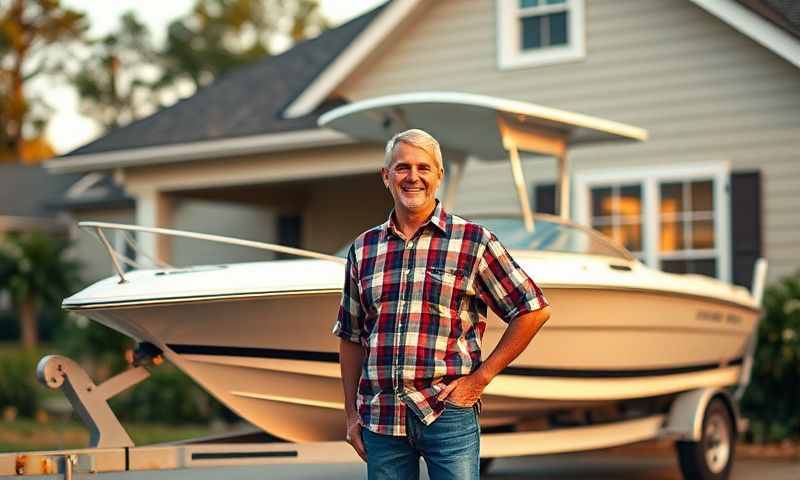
[18,386]
[772,400]
[168,396]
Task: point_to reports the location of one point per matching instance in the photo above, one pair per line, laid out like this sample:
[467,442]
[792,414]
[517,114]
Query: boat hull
[275,362]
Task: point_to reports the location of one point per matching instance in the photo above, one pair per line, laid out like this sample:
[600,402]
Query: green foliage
[18,387]
[116,83]
[36,270]
[90,343]
[25,435]
[35,266]
[772,400]
[168,396]
[29,31]
[220,35]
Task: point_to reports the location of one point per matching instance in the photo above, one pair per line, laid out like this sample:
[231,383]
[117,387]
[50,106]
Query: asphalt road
[621,464]
[600,466]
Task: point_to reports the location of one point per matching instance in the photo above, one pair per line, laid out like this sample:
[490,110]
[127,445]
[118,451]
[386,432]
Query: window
[617,213]
[539,32]
[675,219]
[687,241]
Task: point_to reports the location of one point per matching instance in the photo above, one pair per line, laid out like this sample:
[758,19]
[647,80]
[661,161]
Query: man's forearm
[350,360]
[516,337]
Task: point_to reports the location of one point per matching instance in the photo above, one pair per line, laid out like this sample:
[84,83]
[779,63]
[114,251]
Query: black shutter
[290,229]
[544,198]
[745,225]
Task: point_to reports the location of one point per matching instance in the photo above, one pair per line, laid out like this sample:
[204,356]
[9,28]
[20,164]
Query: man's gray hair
[418,138]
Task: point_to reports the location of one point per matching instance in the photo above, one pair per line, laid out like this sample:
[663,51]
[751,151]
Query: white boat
[623,342]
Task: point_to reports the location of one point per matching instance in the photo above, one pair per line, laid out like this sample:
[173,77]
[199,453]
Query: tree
[116,82]
[220,35]
[28,28]
[36,270]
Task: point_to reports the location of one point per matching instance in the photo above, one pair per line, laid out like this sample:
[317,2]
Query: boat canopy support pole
[517,136]
[519,183]
[563,186]
[90,401]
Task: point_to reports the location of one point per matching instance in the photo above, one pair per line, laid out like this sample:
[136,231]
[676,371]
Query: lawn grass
[28,435]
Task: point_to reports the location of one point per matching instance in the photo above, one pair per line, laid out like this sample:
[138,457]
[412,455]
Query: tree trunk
[28,325]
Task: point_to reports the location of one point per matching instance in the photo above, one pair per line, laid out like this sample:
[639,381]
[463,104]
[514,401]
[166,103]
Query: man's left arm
[516,337]
[513,295]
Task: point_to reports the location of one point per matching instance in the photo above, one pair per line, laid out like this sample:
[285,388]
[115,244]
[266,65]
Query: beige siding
[704,91]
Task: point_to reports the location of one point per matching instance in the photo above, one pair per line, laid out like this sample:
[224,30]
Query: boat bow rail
[117,258]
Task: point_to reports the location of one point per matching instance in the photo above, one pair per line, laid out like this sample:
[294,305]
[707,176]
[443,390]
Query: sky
[68,129]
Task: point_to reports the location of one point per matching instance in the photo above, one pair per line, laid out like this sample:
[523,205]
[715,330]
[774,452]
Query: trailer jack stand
[90,401]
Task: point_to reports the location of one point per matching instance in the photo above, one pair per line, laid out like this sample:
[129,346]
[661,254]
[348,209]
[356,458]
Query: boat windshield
[551,234]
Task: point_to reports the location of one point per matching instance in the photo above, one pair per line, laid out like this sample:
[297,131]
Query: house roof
[785,14]
[771,23]
[274,104]
[93,190]
[30,192]
[26,190]
[248,101]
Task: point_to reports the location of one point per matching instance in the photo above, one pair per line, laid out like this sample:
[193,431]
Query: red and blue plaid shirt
[418,308]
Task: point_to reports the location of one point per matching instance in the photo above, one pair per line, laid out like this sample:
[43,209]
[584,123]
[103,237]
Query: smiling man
[411,319]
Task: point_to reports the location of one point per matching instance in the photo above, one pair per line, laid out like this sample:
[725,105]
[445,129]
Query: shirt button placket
[402,308]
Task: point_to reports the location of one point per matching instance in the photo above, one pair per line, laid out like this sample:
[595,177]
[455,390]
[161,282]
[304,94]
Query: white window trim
[650,177]
[509,53]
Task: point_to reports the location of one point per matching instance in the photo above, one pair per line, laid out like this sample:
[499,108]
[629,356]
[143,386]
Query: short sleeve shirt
[418,307]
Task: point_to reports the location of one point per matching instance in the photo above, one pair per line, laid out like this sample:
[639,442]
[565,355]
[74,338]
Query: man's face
[412,178]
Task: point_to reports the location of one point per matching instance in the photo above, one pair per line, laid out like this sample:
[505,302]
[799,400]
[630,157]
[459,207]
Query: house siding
[705,92]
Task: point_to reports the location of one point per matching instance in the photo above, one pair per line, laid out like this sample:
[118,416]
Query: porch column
[153,209]
[454,163]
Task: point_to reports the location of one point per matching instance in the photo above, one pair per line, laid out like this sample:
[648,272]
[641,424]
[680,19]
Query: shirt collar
[439,219]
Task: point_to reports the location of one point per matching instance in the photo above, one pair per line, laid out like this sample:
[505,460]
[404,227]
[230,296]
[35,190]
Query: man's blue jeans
[450,447]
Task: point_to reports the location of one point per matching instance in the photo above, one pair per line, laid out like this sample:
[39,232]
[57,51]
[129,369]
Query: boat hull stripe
[236,455]
[332,357]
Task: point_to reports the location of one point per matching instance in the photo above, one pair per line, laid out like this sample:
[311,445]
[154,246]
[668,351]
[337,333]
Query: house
[715,82]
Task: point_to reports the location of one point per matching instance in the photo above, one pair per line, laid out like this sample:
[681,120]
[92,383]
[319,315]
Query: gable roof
[771,23]
[273,104]
[399,12]
[783,13]
[246,102]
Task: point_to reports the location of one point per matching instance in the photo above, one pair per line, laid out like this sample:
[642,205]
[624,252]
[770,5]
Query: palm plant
[35,269]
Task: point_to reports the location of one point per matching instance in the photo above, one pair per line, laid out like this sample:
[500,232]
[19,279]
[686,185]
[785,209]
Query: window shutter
[745,225]
[289,232]
[545,198]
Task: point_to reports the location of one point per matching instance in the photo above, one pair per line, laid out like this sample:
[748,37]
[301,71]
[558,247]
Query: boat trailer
[112,450]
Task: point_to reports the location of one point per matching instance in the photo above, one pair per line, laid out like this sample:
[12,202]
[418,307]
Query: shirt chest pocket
[446,288]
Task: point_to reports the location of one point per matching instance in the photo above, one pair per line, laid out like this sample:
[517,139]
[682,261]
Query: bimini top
[468,122]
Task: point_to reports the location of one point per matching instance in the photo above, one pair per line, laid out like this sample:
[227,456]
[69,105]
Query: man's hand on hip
[463,391]
[353,436]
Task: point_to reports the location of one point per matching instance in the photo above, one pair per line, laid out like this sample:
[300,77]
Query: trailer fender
[685,419]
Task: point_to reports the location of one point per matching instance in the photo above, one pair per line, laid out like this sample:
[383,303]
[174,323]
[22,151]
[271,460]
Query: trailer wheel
[712,457]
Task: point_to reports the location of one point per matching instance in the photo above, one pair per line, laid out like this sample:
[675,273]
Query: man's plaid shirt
[418,308]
